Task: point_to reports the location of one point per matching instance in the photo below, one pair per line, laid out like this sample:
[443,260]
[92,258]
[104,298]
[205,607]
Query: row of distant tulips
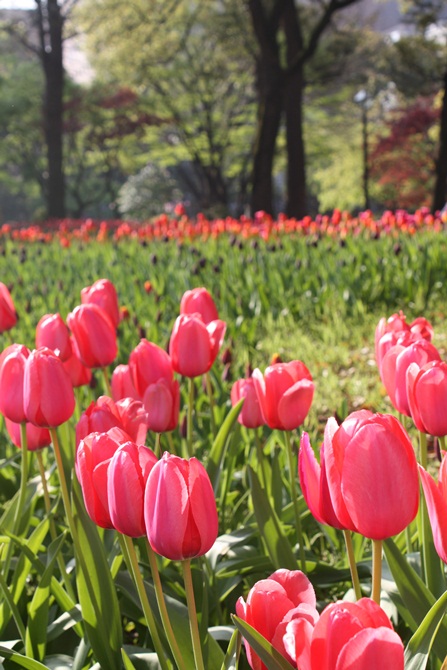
[180,226]
[366,482]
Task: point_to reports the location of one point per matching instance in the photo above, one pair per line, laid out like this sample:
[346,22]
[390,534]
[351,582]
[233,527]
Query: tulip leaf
[219,445]
[97,594]
[22,661]
[270,527]
[36,632]
[233,651]
[271,658]
[418,649]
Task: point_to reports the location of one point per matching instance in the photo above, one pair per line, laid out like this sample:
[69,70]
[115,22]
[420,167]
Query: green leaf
[36,632]
[271,658]
[219,445]
[97,594]
[233,651]
[418,649]
[270,527]
[22,661]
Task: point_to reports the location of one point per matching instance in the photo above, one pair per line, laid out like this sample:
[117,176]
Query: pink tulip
[180,509]
[104,413]
[147,364]
[122,384]
[12,371]
[396,330]
[199,300]
[94,335]
[79,374]
[48,398]
[371,472]
[127,475]
[103,293]
[162,404]
[52,332]
[36,437]
[272,603]
[395,364]
[436,498]
[250,415]
[194,345]
[427,396]
[8,314]
[285,394]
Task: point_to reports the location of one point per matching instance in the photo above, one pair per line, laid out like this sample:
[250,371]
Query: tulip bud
[52,332]
[12,370]
[36,437]
[122,383]
[103,294]
[162,404]
[8,314]
[79,374]
[194,345]
[104,414]
[250,415]
[148,363]
[199,301]
[94,335]
[180,509]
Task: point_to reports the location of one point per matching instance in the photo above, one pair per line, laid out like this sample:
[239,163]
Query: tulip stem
[131,559]
[163,609]
[157,447]
[105,375]
[22,495]
[441,442]
[189,426]
[63,483]
[261,457]
[376,571]
[352,564]
[172,448]
[294,496]
[209,388]
[193,623]
[423,449]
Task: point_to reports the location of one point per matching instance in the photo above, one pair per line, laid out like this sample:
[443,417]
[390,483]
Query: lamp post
[362,99]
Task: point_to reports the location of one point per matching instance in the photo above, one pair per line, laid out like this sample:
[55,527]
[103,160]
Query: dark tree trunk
[440,192]
[51,38]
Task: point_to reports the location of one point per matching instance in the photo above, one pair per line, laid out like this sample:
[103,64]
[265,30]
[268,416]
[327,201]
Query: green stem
[189,426]
[209,388]
[377,571]
[105,375]
[131,559]
[172,448]
[157,447]
[442,445]
[22,495]
[352,564]
[193,623]
[261,457]
[423,449]
[163,609]
[408,540]
[294,495]
[63,484]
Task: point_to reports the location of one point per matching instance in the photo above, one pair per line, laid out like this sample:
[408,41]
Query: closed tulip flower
[250,415]
[12,371]
[390,331]
[129,415]
[122,384]
[194,345]
[52,332]
[147,364]
[162,404]
[287,595]
[48,398]
[127,475]
[8,314]
[199,300]
[427,397]
[94,335]
[180,509]
[79,374]
[436,498]
[371,473]
[285,393]
[103,293]
[36,437]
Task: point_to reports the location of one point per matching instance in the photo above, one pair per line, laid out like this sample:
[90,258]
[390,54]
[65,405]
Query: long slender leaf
[22,661]
[418,649]
[220,443]
[271,658]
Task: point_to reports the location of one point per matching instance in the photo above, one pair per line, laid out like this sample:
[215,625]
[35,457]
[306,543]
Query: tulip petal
[437,512]
[295,404]
[310,475]
[371,649]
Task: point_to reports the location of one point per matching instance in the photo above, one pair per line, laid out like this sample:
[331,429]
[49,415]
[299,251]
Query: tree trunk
[440,192]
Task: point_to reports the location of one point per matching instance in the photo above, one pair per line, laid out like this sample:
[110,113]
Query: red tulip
[103,293]
[395,364]
[427,397]
[371,472]
[436,498]
[94,335]
[285,394]
[180,509]
[12,370]
[127,475]
[104,413]
[52,332]
[194,345]
[199,301]
[148,363]
[162,404]
[79,374]
[287,595]
[93,456]
[48,398]
[36,437]
[8,314]
[250,415]
[354,635]
[122,384]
